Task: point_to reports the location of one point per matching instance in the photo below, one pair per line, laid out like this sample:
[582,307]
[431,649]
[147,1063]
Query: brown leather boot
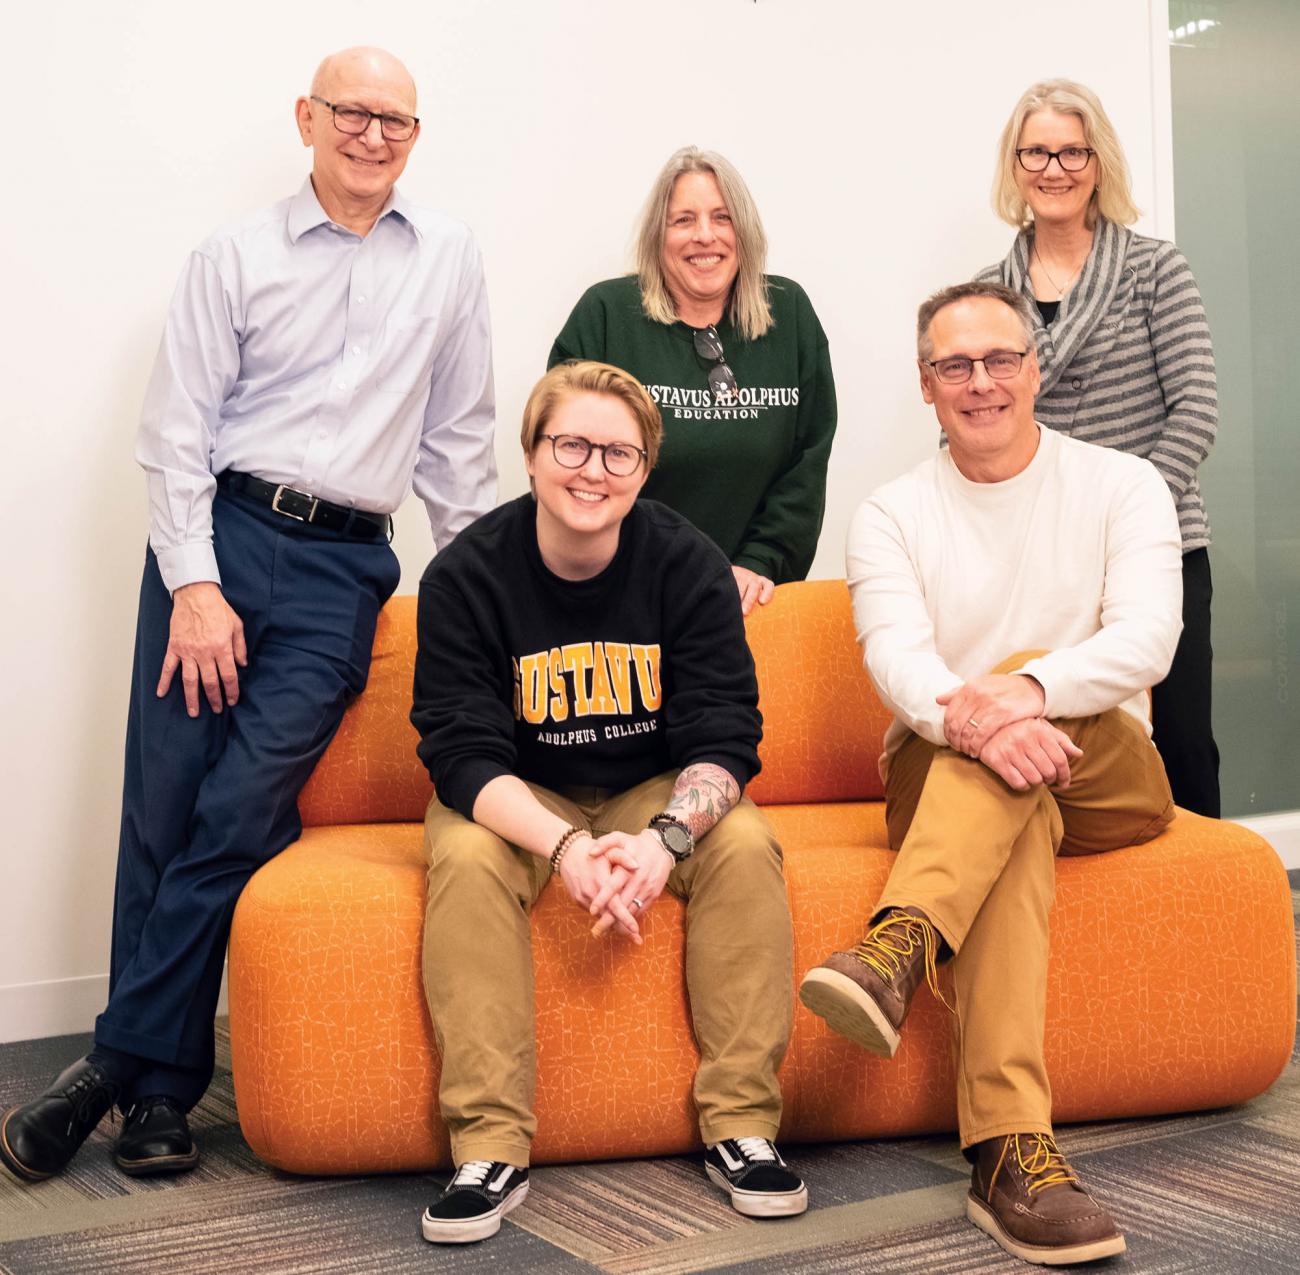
[1026,1196]
[865,994]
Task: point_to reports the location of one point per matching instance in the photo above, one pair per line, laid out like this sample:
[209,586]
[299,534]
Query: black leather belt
[303,507]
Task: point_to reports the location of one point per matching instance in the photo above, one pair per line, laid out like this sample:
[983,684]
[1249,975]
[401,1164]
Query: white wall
[865,131]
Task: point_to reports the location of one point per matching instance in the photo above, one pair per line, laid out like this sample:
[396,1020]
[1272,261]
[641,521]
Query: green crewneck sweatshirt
[750,474]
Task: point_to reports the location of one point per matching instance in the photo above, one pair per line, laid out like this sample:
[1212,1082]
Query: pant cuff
[513,1153]
[947,931]
[150,1048]
[1000,1130]
[738,1127]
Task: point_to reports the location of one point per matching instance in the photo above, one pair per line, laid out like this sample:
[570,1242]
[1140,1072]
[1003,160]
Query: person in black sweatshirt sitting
[588,709]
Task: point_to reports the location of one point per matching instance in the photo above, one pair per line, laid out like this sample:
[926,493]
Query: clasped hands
[616,878]
[998,719]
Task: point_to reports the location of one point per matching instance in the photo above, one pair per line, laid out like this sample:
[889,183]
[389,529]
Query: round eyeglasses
[1001,365]
[1072,159]
[572,451]
[354,120]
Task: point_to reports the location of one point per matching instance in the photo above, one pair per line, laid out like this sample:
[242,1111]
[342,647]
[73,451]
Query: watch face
[675,837]
[679,840]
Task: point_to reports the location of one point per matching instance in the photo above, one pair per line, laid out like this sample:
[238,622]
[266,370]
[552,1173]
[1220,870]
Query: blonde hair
[1113,198]
[565,380]
[748,308]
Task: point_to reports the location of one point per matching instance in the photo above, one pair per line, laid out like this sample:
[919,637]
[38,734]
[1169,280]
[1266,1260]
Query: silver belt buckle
[309,516]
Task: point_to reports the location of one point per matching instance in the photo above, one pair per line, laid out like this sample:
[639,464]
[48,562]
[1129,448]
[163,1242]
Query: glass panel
[1235,67]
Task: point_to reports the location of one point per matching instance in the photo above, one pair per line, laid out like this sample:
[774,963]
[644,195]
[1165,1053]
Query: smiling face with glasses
[981,381]
[360,121]
[1055,168]
[587,469]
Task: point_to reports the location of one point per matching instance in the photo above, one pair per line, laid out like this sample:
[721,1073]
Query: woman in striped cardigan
[1124,350]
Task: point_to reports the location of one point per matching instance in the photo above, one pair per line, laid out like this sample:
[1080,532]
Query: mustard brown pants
[478,970]
[979,859]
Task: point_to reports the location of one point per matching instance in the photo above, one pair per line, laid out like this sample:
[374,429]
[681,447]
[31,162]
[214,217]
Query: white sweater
[1079,554]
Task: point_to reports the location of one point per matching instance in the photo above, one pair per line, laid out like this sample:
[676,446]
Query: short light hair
[1113,198]
[1015,301]
[578,376]
[749,309]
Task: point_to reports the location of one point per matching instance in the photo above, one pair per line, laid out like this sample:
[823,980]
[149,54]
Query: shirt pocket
[406,363]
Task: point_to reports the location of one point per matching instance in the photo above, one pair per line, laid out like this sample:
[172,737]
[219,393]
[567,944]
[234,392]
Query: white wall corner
[1162,124]
[1281,831]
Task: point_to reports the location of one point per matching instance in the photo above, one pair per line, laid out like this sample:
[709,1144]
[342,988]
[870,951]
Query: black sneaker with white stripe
[752,1172]
[473,1203]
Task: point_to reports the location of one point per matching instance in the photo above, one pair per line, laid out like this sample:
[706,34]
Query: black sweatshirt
[603,682]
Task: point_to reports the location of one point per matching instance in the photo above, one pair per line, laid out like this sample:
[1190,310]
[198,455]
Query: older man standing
[319,359]
[1015,597]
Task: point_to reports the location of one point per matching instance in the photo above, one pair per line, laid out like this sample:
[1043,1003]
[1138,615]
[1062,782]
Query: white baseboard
[29,1011]
[1281,831]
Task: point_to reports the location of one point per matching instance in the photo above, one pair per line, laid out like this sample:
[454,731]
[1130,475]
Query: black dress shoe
[39,1138]
[155,1138]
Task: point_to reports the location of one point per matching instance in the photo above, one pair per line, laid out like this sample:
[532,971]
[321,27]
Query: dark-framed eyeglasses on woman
[572,450]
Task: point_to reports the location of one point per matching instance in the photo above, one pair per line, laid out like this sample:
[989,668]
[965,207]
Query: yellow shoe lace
[894,939]
[1044,1165]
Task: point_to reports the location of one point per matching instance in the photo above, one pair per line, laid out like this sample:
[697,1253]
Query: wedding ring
[636,903]
[972,722]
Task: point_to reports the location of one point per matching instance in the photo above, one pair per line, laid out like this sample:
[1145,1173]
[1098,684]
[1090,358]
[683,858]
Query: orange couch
[1172,984]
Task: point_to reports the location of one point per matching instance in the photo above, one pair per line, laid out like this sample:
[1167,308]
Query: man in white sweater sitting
[1015,595]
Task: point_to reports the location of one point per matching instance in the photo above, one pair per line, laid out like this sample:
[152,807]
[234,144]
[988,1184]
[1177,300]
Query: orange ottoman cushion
[1171,988]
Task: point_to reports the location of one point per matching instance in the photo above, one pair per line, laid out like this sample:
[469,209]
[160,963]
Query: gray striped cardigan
[1128,363]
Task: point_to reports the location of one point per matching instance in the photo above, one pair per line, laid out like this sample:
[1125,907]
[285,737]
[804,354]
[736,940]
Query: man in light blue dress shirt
[320,359]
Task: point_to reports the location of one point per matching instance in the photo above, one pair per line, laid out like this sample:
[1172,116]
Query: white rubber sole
[761,1203]
[984,1218]
[848,1010]
[437,1231]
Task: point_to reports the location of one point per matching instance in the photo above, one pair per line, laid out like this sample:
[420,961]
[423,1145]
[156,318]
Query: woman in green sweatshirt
[737,363]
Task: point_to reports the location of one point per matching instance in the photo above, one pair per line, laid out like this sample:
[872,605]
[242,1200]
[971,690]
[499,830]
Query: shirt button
[1077,383]
[342,385]
[361,301]
[356,349]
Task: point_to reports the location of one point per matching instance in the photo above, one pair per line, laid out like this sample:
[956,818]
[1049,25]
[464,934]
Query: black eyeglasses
[1072,159]
[572,451]
[354,120]
[722,380]
[1001,365]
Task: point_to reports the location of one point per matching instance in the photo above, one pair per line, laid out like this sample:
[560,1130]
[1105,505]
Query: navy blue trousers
[207,800]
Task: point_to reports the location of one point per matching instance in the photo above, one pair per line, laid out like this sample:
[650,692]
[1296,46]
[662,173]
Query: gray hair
[1015,301]
[748,309]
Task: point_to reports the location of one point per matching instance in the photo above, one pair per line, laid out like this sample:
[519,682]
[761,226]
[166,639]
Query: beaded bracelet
[562,845]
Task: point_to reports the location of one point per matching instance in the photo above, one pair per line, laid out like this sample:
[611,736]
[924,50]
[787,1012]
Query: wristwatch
[673,834]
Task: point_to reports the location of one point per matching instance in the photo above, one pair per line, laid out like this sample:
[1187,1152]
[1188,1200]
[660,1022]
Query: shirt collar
[397,203]
[305,212]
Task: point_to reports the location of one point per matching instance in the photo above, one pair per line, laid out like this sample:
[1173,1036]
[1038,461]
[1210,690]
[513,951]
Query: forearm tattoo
[702,794]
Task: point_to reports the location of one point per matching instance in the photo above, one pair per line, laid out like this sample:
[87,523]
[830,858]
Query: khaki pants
[478,970]
[979,859]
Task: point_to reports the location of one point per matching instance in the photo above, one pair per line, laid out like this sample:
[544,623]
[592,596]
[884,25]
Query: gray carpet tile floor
[1214,1192]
